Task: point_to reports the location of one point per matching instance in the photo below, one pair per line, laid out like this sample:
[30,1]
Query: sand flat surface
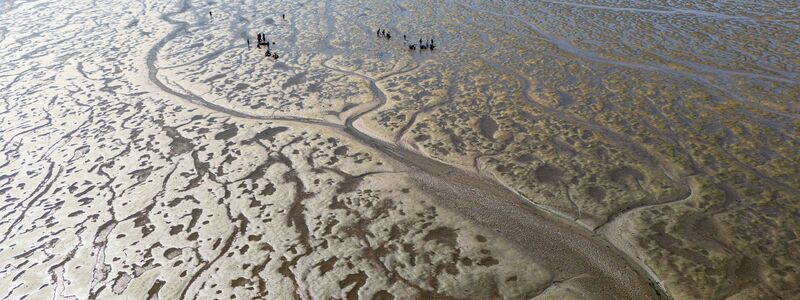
[544,149]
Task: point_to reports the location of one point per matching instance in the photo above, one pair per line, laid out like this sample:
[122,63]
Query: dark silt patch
[488,126]
[230,131]
[341,150]
[443,235]
[595,193]
[626,176]
[357,281]
[269,133]
[524,158]
[133,23]
[215,77]
[268,190]
[179,144]
[241,86]
[385,56]
[423,94]
[196,45]
[548,174]
[565,99]
[281,66]
[153,292]
[383,295]
[172,253]
[298,78]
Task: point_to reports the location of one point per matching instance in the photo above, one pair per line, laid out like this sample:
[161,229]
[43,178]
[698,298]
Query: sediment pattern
[545,149]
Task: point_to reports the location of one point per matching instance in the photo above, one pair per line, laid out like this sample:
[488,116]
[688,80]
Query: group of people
[384,33]
[388,35]
[428,45]
[262,41]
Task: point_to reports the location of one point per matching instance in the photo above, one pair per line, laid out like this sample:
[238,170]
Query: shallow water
[616,149]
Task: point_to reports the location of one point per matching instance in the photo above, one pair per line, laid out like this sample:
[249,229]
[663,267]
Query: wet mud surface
[544,149]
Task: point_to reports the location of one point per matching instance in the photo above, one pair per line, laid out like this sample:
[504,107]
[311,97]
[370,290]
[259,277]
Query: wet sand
[149,152]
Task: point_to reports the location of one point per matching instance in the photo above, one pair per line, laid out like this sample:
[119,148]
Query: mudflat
[540,149]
